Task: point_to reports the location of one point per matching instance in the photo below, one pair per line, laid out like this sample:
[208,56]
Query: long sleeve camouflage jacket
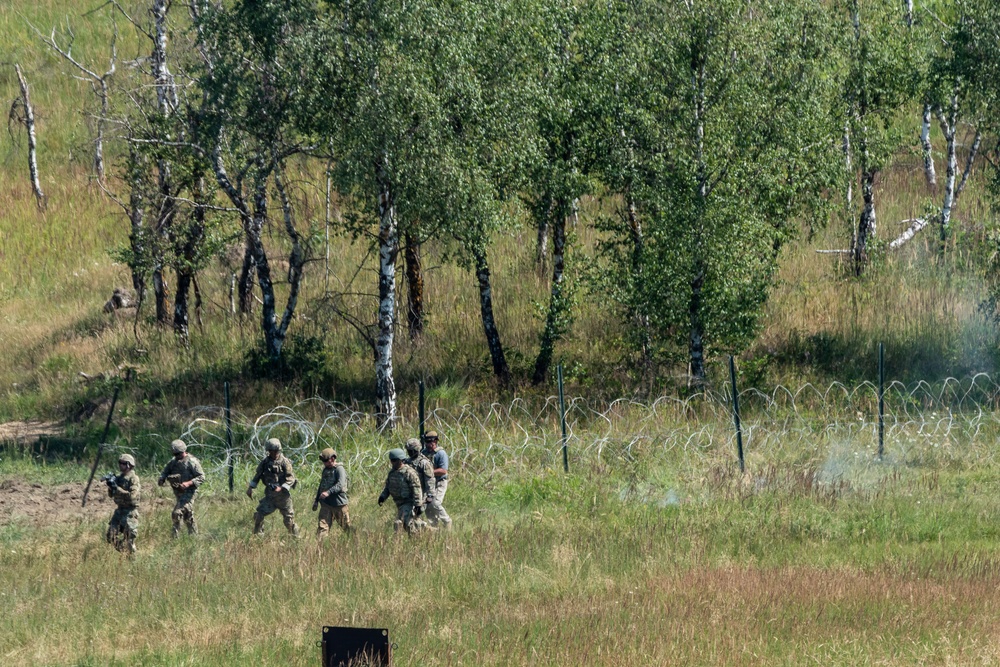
[125,493]
[403,486]
[274,472]
[187,469]
[425,471]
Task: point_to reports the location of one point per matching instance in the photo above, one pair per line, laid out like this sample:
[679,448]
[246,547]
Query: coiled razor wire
[832,428]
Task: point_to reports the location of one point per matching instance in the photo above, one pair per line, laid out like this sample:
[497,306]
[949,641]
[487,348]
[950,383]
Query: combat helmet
[127,458]
[273,445]
[178,447]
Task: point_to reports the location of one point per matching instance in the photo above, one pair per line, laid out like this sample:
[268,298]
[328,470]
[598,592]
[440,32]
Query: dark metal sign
[356,647]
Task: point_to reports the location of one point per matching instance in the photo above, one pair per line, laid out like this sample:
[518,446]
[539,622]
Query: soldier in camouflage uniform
[185,476]
[403,485]
[276,472]
[124,490]
[331,496]
[425,471]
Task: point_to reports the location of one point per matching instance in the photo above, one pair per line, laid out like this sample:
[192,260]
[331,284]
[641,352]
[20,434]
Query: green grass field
[893,563]
[654,549]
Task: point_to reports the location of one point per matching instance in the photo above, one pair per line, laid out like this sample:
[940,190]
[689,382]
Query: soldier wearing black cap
[331,496]
[439,461]
[403,485]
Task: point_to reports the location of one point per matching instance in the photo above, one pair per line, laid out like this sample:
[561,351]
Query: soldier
[124,490]
[331,496]
[439,460]
[276,472]
[403,485]
[185,476]
[432,508]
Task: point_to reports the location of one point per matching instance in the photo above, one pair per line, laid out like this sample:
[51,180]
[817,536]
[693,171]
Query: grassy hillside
[56,271]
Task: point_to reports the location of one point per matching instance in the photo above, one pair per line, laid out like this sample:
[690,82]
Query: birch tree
[733,141]
[881,77]
[387,129]
[956,103]
[254,69]
[559,176]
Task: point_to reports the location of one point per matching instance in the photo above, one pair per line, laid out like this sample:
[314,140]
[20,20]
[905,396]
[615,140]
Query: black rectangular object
[356,647]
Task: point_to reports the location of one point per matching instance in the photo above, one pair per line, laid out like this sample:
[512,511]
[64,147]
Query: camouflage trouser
[123,529]
[436,513]
[328,515]
[184,509]
[405,519]
[271,502]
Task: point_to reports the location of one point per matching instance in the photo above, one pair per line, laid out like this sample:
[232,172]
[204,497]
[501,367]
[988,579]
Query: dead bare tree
[21,112]
[98,82]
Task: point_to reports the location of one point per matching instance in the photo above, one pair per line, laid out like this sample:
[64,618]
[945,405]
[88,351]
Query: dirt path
[22,501]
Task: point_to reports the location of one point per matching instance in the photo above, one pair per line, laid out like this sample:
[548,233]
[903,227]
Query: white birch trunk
[925,141]
[100,86]
[166,93]
[949,128]
[970,160]
[848,166]
[29,124]
[388,244]
[911,231]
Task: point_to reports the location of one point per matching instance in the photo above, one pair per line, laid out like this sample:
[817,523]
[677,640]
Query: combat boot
[192,528]
[258,524]
[177,530]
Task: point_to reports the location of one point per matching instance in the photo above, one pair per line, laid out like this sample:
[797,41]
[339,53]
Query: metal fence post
[420,410]
[229,436]
[562,418]
[736,414]
[881,401]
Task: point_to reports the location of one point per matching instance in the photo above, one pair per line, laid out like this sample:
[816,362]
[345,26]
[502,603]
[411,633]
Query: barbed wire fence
[832,429]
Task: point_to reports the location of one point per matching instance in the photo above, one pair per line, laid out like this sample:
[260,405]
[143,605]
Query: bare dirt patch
[28,432]
[43,505]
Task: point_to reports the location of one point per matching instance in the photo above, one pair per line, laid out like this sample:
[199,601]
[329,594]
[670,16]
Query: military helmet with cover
[413,445]
[327,454]
[178,447]
[273,445]
[127,458]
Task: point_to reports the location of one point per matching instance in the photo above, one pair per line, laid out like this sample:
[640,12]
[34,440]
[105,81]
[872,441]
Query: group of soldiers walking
[417,483]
